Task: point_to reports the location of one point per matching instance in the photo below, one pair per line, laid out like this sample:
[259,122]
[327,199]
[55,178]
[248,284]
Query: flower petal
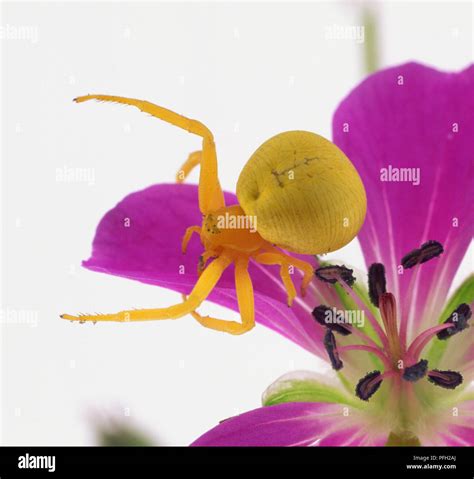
[140,239]
[454,427]
[294,424]
[459,436]
[353,436]
[413,116]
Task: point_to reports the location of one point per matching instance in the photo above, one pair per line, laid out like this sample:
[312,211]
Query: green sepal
[304,390]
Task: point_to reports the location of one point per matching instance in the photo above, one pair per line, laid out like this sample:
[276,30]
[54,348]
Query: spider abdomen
[305,193]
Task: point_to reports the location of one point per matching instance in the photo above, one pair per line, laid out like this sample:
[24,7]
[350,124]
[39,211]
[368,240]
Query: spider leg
[200,292]
[304,266]
[194,159]
[245,299]
[211,197]
[204,258]
[187,236]
[273,258]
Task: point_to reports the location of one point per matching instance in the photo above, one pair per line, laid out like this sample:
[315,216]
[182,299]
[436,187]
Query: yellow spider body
[306,194]
[298,191]
[238,237]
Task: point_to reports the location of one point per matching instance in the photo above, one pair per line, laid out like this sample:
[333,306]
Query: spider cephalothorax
[298,192]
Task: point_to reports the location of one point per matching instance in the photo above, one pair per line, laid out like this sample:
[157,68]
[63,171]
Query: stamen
[459,318]
[368,314]
[370,349]
[388,311]
[331,348]
[322,313]
[326,317]
[427,251]
[333,273]
[416,371]
[445,379]
[377,282]
[368,385]
[419,343]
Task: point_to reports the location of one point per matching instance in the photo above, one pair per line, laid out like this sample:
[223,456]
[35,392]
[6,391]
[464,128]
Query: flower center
[400,360]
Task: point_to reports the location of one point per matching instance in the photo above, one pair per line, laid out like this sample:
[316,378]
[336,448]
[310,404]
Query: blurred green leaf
[115,433]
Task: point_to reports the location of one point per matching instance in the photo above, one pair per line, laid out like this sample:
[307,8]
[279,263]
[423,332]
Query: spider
[300,186]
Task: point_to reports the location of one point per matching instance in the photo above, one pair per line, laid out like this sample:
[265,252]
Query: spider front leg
[200,292]
[245,299]
[194,159]
[211,197]
[206,256]
[187,236]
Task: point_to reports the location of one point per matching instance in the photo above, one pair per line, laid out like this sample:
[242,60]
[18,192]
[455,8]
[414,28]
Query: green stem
[371,51]
[403,439]
[402,395]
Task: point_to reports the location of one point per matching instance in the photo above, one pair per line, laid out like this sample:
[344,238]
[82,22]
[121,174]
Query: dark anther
[416,371]
[459,318]
[427,251]
[377,282]
[445,379]
[368,386]
[332,274]
[331,319]
[331,348]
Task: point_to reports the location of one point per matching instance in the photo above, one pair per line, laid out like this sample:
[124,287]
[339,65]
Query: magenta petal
[141,237]
[353,436]
[459,436]
[288,424]
[460,430]
[413,126]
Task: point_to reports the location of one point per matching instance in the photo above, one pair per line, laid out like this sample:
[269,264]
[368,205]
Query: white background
[246,70]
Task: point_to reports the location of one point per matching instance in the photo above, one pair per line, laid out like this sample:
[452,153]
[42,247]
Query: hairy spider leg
[211,197]
[200,292]
[245,300]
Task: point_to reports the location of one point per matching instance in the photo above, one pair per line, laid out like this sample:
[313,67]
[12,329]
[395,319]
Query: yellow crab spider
[306,195]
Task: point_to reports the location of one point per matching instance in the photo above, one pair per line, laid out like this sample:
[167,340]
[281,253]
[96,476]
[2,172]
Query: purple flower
[408,130]
[405,366]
